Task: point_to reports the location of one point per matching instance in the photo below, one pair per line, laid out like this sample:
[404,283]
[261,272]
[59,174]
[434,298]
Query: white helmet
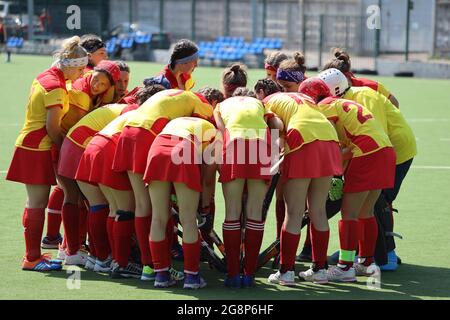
[335,80]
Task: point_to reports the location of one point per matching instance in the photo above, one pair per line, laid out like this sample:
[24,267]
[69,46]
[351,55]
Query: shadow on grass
[408,282]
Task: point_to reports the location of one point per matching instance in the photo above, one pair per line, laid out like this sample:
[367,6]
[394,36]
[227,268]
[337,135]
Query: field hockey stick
[218,242]
[273,185]
[213,259]
[272,251]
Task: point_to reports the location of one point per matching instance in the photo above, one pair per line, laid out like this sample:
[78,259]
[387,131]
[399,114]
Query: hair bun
[235,68]
[299,57]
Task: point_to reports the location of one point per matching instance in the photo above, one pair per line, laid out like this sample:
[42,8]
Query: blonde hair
[70,49]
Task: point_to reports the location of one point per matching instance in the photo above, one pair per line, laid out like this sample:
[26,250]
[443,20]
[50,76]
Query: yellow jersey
[243,118]
[198,131]
[394,124]
[83,131]
[356,126]
[48,90]
[167,105]
[302,122]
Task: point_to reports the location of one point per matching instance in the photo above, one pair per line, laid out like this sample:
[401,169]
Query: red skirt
[371,172]
[241,159]
[313,160]
[69,159]
[132,150]
[32,167]
[96,162]
[174,159]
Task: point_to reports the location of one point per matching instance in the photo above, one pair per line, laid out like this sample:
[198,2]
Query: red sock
[55,203]
[319,241]
[71,221]
[110,230]
[123,232]
[254,231]
[348,238]
[98,234]
[289,244]
[142,226]
[160,255]
[280,210]
[368,238]
[33,223]
[232,240]
[83,223]
[308,236]
[192,256]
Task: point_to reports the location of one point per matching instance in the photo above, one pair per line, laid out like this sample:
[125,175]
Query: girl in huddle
[371,168]
[311,158]
[47,104]
[242,124]
[177,154]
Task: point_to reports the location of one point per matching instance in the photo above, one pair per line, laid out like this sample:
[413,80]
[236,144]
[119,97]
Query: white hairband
[77,62]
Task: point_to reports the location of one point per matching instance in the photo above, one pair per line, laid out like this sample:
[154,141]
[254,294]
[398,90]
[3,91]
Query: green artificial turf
[423,203]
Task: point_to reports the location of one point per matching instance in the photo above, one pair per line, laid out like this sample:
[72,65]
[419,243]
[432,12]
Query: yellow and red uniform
[186,79]
[372,165]
[148,121]
[184,138]
[246,139]
[96,161]
[81,99]
[374,85]
[81,134]
[311,143]
[33,145]
[394,124]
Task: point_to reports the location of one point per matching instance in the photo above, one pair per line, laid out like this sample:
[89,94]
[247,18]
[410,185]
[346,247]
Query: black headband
[91,48]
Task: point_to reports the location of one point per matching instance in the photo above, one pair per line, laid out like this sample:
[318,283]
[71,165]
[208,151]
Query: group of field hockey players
[131,168]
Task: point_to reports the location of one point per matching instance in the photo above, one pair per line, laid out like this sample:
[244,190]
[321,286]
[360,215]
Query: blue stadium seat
[14,42]
[127,43]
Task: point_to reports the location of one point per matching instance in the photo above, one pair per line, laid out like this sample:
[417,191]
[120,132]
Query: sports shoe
[50,243]
[41,265]
[233,282]
[392,264]
[319,276]
[148,274]
[48,257]
[176,275]
[77,259]
[164,280]
[305,255]
[61,253]
[132,270]
[283,279]
[177,252]
[103,265]
[339,275]
[90,263]
[248,281]
[366,271]
[193,281]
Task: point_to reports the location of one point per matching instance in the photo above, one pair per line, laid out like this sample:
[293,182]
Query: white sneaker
[78,259]
[61,253]
[337,274]
[103,265]
[319,277]
[90,263]
[366,271]
[283,279]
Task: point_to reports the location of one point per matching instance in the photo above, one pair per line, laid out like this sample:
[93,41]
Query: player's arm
[218,119]
[53,125]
